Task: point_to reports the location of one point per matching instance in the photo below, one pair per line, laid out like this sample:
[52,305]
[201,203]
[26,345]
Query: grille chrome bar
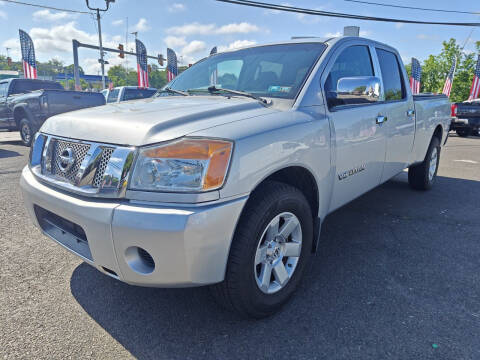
[98,170]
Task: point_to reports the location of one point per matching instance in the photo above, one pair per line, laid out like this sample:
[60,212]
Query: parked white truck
[226,179]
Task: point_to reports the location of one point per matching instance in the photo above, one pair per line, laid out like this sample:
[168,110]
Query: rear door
[399,110]
[359,141]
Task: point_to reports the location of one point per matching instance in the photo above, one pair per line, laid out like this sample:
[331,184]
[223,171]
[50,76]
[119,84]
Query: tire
[26,131]
[463,132]
[422,176]
[241,290]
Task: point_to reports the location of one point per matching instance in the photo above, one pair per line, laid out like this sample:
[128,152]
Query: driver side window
[353,61]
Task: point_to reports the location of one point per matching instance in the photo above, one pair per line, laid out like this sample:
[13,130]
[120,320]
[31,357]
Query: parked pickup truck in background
[125,93]
[227,182]
[466,118]
[26,103]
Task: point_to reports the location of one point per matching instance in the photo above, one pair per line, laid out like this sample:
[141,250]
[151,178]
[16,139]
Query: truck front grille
[80,150]
[83,167]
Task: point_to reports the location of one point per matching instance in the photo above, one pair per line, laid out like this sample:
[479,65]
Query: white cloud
[117,22]
[59,38]
[399,25]
[191,29]
[142,25]
[174,41]
[209,29]
[176,7]
[47,15]
[3,15]
[237,28]
[427,37]
[194,47]
[236,45]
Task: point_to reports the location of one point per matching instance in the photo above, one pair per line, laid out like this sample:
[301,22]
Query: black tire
[419,175]
[27,131]
[463,132]
[239,291]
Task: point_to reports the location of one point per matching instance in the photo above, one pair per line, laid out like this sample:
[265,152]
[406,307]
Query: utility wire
[340,15]
[45,6]
[414,8]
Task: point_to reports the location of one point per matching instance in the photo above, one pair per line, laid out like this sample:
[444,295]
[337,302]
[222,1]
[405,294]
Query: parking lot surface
[397,275]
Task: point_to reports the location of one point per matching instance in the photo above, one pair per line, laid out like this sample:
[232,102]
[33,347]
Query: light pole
[102,62]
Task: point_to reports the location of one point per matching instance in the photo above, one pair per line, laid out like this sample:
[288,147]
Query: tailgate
[64,101]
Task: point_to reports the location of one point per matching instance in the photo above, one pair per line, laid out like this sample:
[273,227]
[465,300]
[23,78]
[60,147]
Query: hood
[152,120]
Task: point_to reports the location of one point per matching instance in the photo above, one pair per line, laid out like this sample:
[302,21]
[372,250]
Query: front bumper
[189,245]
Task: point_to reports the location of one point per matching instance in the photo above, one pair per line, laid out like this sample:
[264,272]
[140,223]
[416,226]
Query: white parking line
[467,161]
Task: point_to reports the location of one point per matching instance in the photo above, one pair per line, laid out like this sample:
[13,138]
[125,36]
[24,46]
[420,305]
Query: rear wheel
[463,132]
[269,252]
[26,132]
[422,176]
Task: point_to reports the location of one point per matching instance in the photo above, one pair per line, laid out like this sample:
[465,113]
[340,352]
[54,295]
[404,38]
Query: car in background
[25,104]
[126,93]
[466,118]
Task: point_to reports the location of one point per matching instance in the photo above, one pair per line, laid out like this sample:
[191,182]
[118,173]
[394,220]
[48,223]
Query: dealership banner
[142,67]
[28,56]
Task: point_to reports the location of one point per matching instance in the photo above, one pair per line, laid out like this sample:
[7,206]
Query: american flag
[475,89]
[142,68]
[416,76]
[172,68]
[28,56]
[449,80]
[213,51]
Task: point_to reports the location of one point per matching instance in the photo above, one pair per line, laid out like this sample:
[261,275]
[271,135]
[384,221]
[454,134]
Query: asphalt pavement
[397,276]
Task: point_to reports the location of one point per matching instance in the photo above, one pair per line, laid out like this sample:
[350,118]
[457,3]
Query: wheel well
[19,114]
[438,133]
[300,178]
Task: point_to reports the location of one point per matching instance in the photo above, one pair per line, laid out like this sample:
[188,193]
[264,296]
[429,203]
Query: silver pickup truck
[224,179]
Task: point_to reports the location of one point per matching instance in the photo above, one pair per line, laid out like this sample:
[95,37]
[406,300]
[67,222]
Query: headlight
[184,165]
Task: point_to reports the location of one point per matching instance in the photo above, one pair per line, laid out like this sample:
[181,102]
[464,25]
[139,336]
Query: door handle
[410,112]
[381,119]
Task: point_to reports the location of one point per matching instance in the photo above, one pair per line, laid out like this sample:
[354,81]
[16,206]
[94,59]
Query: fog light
[139,260]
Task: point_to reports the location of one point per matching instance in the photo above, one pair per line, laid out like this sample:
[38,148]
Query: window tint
[353,61]
[133,94]
[392,83]
[113,95]
[22,86]
[3,89]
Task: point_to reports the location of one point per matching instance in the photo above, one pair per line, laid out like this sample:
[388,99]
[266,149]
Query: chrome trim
[115,177]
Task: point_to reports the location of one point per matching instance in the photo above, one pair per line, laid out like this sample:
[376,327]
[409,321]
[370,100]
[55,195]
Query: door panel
[360,142]
[360,152]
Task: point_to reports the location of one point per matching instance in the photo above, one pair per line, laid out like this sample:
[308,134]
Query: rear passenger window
[392,79]
[353,61]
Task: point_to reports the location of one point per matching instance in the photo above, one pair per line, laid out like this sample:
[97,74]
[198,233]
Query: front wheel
[269,252]
[26,132]
[422,176]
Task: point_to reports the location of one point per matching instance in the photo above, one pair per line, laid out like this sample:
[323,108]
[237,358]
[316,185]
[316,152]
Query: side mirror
[358,90]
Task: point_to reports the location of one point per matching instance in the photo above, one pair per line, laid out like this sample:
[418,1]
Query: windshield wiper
[213,89]
[173,91]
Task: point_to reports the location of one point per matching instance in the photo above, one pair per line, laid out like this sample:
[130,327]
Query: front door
[360,140]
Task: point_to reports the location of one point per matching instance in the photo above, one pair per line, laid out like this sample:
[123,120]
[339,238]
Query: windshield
[271,71]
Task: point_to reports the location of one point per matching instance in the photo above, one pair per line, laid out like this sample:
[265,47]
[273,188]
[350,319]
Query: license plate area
[67,233]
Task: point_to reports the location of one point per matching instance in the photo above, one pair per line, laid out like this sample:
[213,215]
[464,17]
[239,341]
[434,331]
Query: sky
[193,27]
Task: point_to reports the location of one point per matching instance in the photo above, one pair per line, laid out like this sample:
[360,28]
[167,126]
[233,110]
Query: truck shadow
[389,263]
[8,153]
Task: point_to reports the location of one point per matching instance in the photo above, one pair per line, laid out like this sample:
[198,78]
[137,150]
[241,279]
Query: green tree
[436,67]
